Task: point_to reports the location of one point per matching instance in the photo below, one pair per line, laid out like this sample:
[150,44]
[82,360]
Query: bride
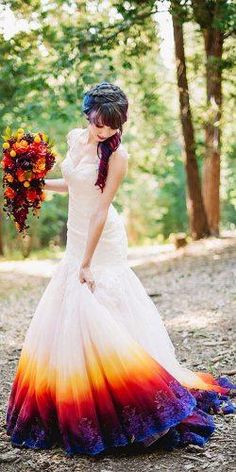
[97,368]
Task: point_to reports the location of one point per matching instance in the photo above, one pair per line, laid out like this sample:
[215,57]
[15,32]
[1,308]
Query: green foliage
[44,73]
[52,219]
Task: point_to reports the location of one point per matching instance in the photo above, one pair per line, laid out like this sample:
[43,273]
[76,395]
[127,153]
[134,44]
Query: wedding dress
[98,369]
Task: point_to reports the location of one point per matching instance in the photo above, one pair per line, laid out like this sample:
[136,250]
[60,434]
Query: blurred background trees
[52,52]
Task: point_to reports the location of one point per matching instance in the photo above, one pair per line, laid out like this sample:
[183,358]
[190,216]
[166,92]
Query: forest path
[194,290]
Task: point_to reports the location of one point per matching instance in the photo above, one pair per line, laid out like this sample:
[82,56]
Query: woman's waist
[79,219]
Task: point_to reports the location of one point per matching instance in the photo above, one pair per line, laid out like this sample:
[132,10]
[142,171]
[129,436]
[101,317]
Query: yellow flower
[37,139]
[6,145]
[12,153]
[9,178]
[26,183]
[20,131]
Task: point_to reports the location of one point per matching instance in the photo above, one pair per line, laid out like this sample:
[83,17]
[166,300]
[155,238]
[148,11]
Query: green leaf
[7,133]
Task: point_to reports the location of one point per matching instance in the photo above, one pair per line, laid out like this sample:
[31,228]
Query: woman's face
[102,132]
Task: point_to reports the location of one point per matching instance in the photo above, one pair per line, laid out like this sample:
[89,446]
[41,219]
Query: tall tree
[215,21]
[196,210]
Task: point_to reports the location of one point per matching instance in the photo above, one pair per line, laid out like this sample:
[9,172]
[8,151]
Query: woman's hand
[86,276]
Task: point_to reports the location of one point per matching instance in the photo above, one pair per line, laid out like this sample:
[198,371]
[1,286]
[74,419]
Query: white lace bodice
[79,169]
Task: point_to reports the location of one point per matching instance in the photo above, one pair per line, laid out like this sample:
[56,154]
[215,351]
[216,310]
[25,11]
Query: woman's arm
[57,185]
[118,165]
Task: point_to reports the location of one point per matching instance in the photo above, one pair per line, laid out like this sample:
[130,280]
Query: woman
[98,369]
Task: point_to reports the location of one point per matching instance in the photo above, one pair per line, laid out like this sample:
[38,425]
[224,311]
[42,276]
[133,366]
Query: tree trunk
[196,211]
[211,167]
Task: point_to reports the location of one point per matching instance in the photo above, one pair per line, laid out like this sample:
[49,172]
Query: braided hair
[106,104]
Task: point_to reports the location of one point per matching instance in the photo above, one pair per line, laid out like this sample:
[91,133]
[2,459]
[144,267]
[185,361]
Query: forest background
[175,62]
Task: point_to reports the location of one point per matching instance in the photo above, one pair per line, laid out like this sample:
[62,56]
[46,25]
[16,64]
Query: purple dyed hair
[106,104]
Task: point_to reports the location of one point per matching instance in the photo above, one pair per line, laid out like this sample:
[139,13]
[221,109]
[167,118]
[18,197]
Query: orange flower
[21,175]
[9,192]
[21,146]
[38,169]
[41,160]
[24,175]
[41,163]
[43,196]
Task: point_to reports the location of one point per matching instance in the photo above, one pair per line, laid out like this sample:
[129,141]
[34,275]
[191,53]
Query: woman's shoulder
[121,152]
[73,134]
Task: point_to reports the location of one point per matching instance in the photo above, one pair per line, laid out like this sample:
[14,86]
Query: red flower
[38,148]
[39,175]
[31,195]
[7,162]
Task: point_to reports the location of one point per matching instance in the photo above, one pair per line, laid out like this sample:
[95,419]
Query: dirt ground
[195,292]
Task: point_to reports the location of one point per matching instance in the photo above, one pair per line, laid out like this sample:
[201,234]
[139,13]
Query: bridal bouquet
[26,159]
